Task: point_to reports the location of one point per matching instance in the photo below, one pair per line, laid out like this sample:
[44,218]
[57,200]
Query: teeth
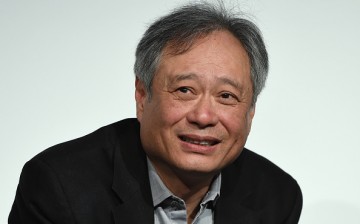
[204,143]
[192,141]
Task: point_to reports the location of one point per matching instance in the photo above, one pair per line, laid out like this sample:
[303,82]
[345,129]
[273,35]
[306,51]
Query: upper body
[103,178]
[199,71]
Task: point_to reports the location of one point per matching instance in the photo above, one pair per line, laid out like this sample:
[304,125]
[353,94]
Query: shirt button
[174,204]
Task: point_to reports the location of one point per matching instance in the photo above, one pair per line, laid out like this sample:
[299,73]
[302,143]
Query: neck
[191,187]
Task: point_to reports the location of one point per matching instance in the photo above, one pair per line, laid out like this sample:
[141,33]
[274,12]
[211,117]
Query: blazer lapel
[136,204]
[131,182]
[234,213]
[236,189]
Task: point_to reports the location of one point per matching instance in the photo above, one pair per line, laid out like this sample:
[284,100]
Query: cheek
[172,111]
[237,123]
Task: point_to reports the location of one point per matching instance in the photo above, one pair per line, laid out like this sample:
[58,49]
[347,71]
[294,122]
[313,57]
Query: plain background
[66,70]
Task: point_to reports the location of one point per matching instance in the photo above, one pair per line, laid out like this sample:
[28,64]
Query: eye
[228,98]
[185,93]
[183,89]
[226,95]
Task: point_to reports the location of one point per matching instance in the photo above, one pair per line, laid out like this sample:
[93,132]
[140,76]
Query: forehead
[218,53]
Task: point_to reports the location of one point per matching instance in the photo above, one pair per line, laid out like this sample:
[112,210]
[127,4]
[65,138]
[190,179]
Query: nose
[203,113]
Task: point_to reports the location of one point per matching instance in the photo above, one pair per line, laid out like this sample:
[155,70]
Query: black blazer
[102,178]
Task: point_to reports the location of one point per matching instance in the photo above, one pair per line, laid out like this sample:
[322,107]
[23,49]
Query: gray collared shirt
[171,209]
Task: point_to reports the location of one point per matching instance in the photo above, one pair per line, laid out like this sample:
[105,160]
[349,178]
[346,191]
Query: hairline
[171,48]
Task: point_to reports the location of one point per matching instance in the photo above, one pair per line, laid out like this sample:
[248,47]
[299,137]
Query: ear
[140,97]
[250,116]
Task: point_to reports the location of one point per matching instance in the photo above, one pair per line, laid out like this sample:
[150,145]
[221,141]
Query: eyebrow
[231,82]
[182,77]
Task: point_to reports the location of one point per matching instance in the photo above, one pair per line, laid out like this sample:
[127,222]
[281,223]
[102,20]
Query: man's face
[199,115]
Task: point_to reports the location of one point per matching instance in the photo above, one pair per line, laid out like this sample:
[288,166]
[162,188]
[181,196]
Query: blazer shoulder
[100,143]
[263,168]
[71,180]
[259,190]
[90,159]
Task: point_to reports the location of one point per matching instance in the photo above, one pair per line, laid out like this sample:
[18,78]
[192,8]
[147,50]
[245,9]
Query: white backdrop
[66,70]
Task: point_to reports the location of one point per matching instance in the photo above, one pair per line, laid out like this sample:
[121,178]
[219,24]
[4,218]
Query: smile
[199,141]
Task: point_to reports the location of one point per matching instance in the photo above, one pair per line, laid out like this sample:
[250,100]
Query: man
[199,71]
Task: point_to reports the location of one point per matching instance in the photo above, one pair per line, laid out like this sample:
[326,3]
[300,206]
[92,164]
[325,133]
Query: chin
[199,166]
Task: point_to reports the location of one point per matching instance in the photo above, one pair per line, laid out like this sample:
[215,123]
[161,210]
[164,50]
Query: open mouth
[198,141]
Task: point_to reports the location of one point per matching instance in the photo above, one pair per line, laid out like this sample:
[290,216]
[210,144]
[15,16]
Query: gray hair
[186,24]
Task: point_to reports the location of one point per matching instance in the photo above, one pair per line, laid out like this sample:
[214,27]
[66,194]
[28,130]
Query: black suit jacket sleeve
[294,216]
[40,197]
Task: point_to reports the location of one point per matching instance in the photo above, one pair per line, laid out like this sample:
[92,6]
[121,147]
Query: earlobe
[140,97]
[252,111]
[250,117]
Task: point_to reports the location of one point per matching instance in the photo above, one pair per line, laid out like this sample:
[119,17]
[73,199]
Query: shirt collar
[160,192]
